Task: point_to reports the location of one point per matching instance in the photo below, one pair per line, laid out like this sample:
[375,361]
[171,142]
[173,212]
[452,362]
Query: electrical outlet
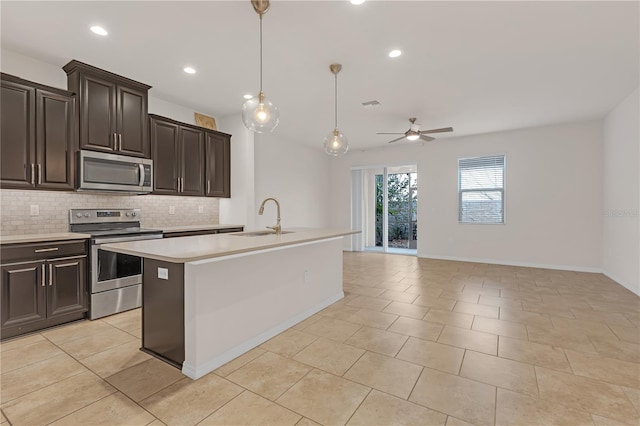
[163,273]
[172,209]
[35,210]
[200,209]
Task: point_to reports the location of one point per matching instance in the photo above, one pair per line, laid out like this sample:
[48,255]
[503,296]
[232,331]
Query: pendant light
[335,143]
[259,114]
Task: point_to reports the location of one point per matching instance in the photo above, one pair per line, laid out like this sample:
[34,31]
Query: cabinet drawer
[27,251]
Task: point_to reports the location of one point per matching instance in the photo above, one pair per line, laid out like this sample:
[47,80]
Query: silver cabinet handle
[120,141]
[45,250]
[178,184]
[141,171]
[33,174]
[182,184]
[50,274]
[115,141]
[39,173]
[208,186]
[42,277]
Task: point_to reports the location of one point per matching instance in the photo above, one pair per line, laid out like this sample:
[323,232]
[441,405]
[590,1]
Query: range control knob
[134,214]
[78,214]
[86,215]
[128,214]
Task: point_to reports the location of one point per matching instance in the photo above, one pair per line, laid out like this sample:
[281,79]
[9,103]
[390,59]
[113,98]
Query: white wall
[553,190]
[240,208]
[298,176]
[621,195]
[32,69]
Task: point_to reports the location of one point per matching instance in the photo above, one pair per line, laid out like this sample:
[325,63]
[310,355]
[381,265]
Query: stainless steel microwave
[98,171]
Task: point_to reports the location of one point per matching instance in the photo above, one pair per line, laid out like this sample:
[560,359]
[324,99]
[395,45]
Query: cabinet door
[18,136]
[97,114]
[55,129]
[132,122]
[218,162]
[23,293]
[164,153]
[192,161]
[66,286]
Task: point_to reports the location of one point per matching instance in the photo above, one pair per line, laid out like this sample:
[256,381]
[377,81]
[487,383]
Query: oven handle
[98,242]
[141,171]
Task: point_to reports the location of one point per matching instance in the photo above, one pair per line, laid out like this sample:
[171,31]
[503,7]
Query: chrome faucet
[276,228]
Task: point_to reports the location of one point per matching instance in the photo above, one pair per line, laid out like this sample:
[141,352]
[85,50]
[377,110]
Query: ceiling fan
[414,132]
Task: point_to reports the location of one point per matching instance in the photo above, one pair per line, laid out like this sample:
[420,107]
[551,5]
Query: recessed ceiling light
[357,2]
[248,96]
[99,30]
[189,70]
[395,53]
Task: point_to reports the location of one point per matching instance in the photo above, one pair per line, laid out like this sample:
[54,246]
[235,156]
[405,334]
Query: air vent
[371,104]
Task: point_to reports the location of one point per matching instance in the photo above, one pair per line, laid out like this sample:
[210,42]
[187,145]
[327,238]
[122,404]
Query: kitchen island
[208,299]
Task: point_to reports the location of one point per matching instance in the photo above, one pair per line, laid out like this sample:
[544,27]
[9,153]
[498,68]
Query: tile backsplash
[53,206]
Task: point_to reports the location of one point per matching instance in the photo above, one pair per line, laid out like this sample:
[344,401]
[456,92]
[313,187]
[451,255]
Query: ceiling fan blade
[389,133]
[396,140]
[444,129]
[427,138]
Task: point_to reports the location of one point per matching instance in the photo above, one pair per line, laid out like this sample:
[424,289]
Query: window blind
[481,189]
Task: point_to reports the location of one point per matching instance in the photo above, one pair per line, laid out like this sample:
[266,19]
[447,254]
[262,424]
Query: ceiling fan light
[335,143]
[413,137]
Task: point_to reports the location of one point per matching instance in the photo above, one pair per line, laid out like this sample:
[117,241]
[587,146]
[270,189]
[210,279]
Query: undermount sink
[258,233]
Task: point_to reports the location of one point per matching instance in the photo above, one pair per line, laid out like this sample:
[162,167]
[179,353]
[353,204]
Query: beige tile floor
[415,341]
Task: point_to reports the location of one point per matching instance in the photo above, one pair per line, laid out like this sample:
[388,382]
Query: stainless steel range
[116,279]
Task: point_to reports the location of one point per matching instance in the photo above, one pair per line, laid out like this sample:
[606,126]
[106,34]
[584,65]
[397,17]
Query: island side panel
[235,303]
[163,310]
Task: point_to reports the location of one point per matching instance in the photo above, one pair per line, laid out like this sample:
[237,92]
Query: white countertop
[187,228]
[34,238]
[61,236]
[189,249]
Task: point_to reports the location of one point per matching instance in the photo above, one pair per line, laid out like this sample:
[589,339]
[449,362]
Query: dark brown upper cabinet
[189,160]
[38,137]
[177,151]
[112,110]
[218,165]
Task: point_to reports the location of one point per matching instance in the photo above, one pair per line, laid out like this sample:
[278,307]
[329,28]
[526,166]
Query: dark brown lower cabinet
[38,289]
[202,232]
[163,311]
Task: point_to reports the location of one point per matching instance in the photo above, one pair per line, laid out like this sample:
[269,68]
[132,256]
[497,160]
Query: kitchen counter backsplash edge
[53,210]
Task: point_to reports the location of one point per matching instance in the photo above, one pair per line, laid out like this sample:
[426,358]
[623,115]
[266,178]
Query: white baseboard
[516,263]
[632,288]
[195,373]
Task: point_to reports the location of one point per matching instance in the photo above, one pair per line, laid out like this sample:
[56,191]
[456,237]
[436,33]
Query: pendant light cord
[261,53]
[336,97]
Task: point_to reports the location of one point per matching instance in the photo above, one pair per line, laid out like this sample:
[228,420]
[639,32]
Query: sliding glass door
[390,204]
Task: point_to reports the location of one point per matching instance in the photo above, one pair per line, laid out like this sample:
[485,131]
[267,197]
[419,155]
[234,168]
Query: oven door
[110,270]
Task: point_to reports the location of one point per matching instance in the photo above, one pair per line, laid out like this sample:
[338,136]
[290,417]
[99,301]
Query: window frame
[501,190]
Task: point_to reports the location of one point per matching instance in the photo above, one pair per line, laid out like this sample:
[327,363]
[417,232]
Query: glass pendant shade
[260,115]
[335,143]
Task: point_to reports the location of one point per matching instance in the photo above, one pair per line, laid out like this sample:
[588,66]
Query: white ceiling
[476,66]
